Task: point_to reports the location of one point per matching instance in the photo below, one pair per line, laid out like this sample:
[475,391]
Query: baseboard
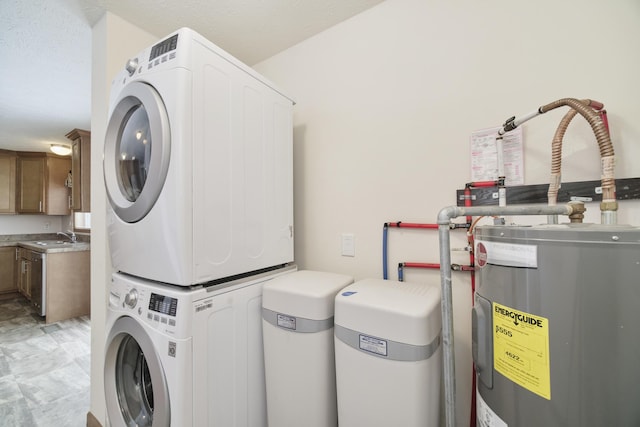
[92,421]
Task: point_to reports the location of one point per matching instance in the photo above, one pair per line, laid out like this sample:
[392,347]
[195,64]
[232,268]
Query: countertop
[45,243]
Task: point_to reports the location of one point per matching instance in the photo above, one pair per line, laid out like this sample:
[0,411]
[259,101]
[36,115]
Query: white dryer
[185,357]
[198,166]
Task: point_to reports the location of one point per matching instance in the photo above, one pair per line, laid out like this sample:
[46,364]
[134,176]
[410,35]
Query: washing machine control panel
[163,304]
[131,298]
[161,310]
[158,308]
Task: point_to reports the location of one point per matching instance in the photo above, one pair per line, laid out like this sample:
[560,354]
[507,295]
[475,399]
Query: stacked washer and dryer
[198,170]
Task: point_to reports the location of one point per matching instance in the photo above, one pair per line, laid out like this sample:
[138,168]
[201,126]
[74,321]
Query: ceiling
[45,46]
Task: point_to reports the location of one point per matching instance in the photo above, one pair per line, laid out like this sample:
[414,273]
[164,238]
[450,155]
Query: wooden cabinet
[68,280]
[8,264]
[7,182]
[80,170]
[24,273]
[41,183]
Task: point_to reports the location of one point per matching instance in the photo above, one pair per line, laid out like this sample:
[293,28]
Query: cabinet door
[57,194]
[31,197]
[76,165]
[41,183]
[25,278]
[80,170]
[7,184]
[8,269]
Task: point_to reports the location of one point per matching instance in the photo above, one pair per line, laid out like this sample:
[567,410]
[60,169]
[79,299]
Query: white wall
[387,100]
[386,103]
[31,224]
[114,41]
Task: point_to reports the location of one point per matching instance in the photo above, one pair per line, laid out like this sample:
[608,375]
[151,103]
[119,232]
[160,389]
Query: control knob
[131,298]
[131,66]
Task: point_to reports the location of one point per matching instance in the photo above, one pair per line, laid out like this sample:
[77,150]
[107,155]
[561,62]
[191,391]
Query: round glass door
[136,151]
[135,385]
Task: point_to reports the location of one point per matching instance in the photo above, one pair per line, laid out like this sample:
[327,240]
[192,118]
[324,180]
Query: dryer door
[137,148]
[134,380]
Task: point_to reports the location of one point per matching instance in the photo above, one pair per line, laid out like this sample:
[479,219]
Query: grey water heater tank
[556,337]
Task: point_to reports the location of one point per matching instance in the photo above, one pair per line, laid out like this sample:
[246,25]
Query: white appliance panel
[205,361]
[225,207]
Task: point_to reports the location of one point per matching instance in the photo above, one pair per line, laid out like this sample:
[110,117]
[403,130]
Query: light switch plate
[348,244]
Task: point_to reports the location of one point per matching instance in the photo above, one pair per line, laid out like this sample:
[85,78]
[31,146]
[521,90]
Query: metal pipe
[514,122]
[444,218]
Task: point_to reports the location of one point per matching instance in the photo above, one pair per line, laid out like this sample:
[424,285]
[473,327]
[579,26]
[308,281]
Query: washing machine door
[135,385]
[136,151]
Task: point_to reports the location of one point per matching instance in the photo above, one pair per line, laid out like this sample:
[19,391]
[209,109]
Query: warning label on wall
[521,348]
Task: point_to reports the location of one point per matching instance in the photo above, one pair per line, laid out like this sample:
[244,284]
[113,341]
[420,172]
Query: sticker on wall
[521,349]
[484,155]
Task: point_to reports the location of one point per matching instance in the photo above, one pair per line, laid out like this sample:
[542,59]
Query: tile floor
[44,369]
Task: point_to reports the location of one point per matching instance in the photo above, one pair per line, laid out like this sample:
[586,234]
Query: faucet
[71,236]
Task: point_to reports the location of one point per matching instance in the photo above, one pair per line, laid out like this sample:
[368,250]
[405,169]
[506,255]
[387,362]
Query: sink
[53,242]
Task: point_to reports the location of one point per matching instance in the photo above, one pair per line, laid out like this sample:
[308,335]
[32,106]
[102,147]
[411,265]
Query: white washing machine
[185,357]
[198,166]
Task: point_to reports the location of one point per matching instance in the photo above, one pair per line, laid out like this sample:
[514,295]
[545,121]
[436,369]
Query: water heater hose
[609,204]
[556,150]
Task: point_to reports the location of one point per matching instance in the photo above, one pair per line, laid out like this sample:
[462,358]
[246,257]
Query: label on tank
[287,322]
[507,254]
[485,415]
[373,345]
[521,348]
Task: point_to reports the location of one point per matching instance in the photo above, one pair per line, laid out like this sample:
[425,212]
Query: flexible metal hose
[609,202]
[556,150]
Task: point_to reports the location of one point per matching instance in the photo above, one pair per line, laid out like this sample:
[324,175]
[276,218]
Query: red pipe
[400,224]
[596,105]
[455,267]
[420,265]
[605,120]
[482,184]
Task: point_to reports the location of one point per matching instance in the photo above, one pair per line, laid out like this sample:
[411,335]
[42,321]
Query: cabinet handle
[40,206]
[17,253]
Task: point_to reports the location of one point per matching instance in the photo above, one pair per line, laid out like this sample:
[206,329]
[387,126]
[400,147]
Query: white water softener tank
[555,325]
[297,322]
[388,354]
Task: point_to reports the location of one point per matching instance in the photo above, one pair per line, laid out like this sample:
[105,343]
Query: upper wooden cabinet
[80,170]
[7,182]
[41,183]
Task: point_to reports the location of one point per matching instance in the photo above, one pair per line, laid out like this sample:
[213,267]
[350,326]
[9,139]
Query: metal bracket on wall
[586,191]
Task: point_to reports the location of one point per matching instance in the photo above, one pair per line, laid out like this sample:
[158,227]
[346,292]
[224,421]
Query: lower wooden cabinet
[8,279]
[24,273]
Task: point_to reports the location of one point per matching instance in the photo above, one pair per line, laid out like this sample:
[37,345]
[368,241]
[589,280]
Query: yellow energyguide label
[521,349]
